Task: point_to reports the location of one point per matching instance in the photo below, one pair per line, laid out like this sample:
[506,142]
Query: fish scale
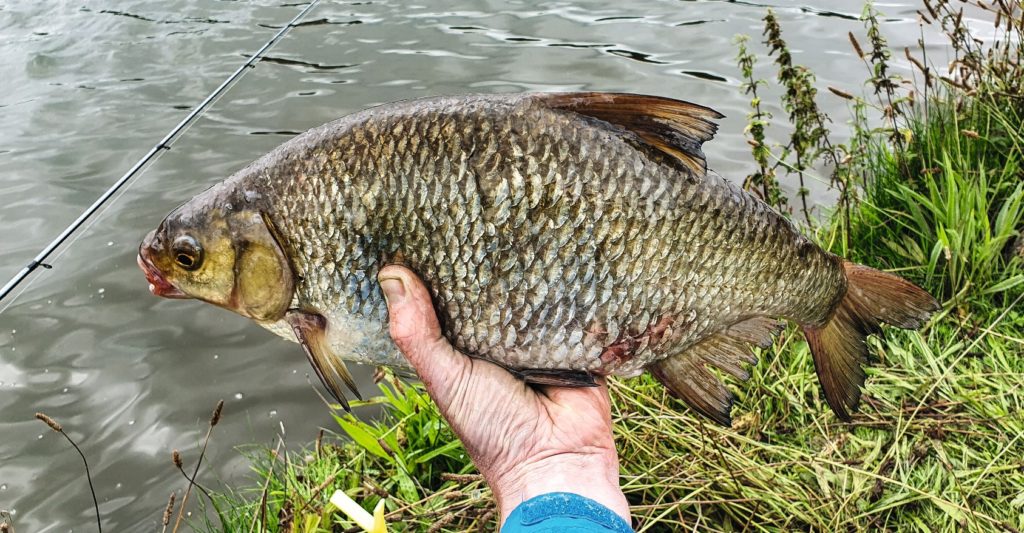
[559,235]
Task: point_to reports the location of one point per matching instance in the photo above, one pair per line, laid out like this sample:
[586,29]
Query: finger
[415,329]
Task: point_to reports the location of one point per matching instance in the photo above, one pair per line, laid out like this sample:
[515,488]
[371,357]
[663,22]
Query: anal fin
[311,331]
[687,376]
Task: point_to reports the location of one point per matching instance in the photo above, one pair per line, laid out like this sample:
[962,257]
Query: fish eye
[187,252]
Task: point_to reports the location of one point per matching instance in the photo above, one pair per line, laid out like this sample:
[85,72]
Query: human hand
[525,441]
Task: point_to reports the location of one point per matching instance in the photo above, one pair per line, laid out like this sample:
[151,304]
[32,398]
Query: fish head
[210,250]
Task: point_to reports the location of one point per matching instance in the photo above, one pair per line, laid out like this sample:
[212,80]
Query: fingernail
[394,290]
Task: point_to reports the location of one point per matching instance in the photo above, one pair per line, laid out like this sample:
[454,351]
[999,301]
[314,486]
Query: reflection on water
[87,90]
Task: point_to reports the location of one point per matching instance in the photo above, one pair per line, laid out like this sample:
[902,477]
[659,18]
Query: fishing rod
[151,155]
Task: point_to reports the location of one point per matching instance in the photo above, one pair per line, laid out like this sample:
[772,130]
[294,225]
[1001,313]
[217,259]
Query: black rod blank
[164,144]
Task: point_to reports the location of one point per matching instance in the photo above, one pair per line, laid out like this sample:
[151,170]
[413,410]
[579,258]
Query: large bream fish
[562,236]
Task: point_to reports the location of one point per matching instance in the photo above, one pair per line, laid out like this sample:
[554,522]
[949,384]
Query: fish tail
[839,346]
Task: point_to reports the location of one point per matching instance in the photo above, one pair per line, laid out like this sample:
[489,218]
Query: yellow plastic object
[371,523]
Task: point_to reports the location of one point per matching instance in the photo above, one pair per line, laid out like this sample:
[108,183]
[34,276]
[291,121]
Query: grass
[938,442]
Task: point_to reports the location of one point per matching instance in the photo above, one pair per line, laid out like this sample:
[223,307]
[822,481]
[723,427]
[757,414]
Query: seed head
[169,510]
[443,521]
[461,478]
[917,63]
[931,10]
[215,417]
[176,457]
[856,45]
[50,422]
[840,93]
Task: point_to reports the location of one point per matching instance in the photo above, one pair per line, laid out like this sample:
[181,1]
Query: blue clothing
[563,511]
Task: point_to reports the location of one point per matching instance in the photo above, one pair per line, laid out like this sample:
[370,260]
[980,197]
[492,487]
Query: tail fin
[839,345]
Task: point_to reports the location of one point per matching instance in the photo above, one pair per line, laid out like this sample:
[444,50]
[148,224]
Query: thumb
[415,329]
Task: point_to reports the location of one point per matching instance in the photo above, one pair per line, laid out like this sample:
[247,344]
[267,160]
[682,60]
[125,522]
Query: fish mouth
[157,284]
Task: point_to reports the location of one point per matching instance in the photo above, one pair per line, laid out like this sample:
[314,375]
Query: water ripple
[186,20]
[288,133]
[304,65]
[710,76]
[317,22]
[635,56]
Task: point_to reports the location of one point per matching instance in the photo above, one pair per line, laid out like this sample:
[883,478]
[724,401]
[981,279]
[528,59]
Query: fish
[562,236]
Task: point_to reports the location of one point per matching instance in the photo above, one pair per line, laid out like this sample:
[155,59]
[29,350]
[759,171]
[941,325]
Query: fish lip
[157,284]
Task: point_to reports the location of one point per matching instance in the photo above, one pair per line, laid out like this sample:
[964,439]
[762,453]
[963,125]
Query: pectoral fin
[311,331]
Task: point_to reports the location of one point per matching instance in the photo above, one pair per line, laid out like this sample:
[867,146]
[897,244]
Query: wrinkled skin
[535,440]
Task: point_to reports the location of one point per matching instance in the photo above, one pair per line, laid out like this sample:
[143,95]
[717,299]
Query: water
[88,87]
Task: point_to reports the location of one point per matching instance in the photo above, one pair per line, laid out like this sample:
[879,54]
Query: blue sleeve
[563,511]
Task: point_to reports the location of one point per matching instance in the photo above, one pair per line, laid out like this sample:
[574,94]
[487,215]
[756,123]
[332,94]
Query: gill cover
[263,278]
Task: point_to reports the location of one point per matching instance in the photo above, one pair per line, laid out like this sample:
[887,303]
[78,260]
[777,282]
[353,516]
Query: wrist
[594,476]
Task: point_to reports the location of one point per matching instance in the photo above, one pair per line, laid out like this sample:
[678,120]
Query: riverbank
[931,189]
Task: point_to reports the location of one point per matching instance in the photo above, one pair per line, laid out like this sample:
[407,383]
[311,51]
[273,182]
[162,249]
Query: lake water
[90,86]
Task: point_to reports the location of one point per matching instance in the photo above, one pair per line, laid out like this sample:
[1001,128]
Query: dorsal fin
[686,374]
[673,127]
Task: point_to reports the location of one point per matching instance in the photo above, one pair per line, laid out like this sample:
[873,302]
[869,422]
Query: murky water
[88,87]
